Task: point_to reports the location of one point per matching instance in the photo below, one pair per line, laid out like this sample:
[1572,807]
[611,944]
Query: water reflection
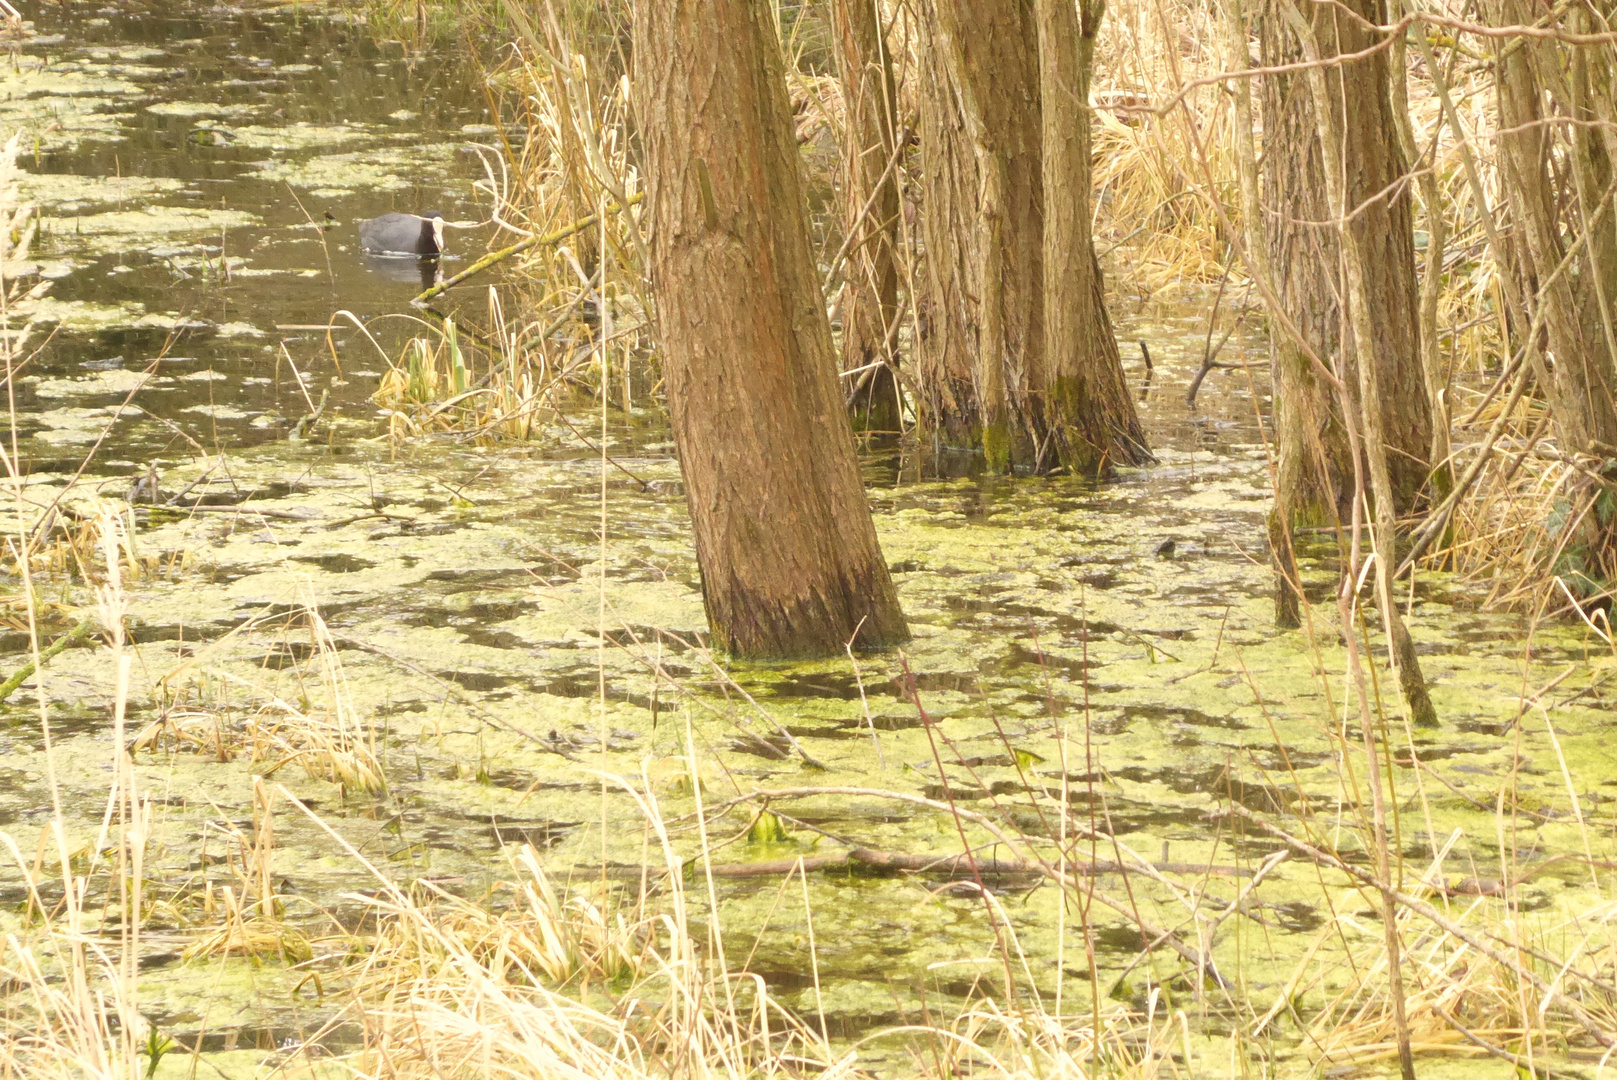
[406,268]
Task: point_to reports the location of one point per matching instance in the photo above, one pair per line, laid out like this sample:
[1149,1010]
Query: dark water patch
[336,562]
[578,686]
[1018,655]
[1114,723]
[451,831]
[515,780]
[837,821]
[470,578]
[671,643]
[1115,816]
[398,708]
[881,722]
[1101,578]
[1215,782]
[334,1039]
[474,633]
[479,680]
[820,684]
[1274,761]
[540,834]
[838,732]
[18,642]
[1181,715]
[1119,940]
[285,654]
[978,610]
[331,611]
[493,611]
[936,682]
[967,790]
[1479,725]
[68,718]
[1429,752]
[770,747]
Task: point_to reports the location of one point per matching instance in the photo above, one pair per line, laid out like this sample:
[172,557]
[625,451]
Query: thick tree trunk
[870,215]
[1314,466]
[946,341]
[982,223]
[1083,414]
[1370,419]
[787,550]
[1017,354]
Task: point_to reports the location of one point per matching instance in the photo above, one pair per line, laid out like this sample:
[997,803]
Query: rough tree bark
[870,215]
[1081,402]
[787,550]
[1314,488]
[982,219]
[1017,354]
[1575,323]
[1559,184]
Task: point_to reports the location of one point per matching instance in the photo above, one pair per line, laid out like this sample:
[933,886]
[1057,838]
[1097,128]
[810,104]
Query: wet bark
[787,550]
[870,215]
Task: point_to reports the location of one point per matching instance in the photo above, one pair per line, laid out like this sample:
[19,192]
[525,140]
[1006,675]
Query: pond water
[186,163]
[463,588]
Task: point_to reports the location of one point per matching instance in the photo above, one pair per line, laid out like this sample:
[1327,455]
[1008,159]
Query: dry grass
[296,711]
[623,985]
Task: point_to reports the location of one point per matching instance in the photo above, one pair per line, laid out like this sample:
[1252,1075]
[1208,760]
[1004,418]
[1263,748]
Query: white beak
[438,233]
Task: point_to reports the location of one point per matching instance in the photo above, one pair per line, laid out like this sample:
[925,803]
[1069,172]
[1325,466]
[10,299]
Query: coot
[403,234]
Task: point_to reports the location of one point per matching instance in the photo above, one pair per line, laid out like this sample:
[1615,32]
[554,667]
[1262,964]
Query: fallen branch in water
[61,644]
[495,257]
[303,427]
[949,865]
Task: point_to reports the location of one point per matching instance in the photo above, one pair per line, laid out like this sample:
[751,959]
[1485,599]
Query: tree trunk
[1581,383]
[982,223]
[1314,465]
[1358,350]
[1431,188]
[1558,193]
[787,550]
[1017,355]
[870,215]
[1083,414]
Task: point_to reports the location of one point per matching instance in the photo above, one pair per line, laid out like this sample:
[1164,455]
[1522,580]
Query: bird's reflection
[426,272]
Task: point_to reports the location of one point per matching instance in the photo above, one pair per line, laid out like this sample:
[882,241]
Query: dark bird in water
[403,234]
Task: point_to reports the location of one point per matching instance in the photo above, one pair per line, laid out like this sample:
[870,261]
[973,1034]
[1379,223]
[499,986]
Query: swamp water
[460,594]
